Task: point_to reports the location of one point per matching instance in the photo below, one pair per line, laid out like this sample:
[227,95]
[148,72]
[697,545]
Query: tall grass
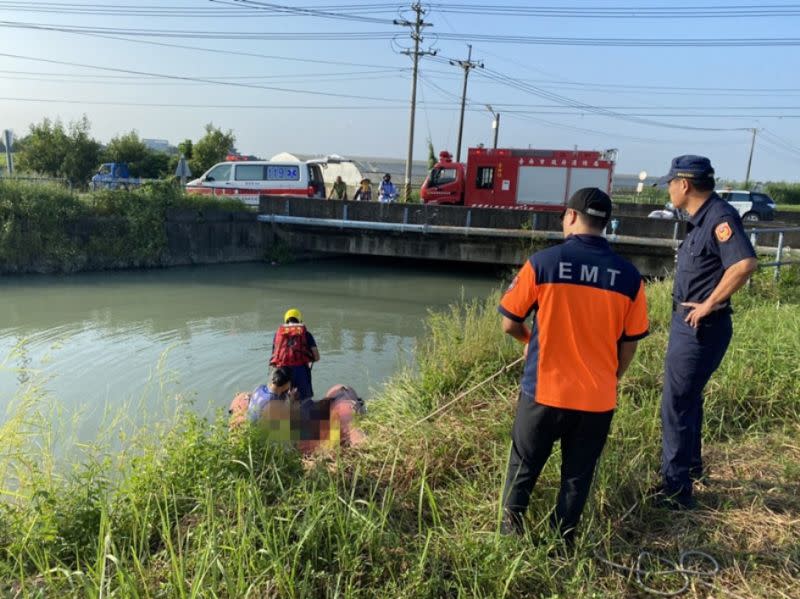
[196,512]
[47,228]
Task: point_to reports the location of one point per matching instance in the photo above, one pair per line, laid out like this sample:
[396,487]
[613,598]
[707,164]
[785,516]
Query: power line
[623,12]
[306,12]
[621,42]
[238,53]
[162,11]
[384,35]
[198,79]
[569,102]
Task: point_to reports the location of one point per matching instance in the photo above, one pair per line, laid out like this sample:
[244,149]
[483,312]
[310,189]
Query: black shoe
[513,523]
[666,499]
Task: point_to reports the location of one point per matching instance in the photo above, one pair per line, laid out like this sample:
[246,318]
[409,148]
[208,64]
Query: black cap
[592,202]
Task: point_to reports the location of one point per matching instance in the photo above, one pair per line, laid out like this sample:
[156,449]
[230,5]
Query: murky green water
[135,340]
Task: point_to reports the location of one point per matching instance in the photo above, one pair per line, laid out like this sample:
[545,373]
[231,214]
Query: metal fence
[52,180]
[779,250]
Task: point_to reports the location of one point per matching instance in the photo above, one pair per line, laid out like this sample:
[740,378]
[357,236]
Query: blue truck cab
[113,175]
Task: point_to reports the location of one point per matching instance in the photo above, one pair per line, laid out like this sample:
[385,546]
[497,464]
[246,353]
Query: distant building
[157,145]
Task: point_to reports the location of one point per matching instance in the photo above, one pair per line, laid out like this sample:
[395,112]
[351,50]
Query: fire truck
[522,179]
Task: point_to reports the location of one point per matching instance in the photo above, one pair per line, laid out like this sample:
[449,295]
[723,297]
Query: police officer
[589,312]
[714,261]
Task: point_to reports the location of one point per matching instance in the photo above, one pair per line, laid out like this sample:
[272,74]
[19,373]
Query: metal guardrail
[779,250]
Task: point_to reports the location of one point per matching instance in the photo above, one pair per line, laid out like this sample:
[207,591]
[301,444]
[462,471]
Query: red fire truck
[523,179]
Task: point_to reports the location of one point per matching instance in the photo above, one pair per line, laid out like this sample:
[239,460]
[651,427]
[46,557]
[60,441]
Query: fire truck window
[443,176]
[485,177]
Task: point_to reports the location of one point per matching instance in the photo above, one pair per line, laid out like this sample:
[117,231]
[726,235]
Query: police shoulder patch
[723,232]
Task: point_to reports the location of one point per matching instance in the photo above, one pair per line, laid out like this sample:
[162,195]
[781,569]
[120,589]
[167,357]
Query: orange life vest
[291,346]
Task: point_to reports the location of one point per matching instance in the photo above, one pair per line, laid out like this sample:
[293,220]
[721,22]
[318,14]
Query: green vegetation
[188,511]
[48,228]
[648,195]
[52,149]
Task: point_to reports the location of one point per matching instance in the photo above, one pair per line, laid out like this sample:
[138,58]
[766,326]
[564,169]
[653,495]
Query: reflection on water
[100,339]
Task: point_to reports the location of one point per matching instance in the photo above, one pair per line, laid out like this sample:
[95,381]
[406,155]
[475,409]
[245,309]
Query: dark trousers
[692,357]
[536,428]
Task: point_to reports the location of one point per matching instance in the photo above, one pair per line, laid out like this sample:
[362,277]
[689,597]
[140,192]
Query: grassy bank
[47,228]
[190,512]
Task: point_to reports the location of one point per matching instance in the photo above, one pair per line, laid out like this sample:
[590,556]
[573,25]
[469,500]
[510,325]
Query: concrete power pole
[467,65]
[416,35]
[750,159]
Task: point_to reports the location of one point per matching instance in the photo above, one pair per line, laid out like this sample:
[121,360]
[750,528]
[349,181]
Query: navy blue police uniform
[715,240]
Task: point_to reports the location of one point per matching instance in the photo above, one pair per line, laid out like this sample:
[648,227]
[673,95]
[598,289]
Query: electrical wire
[306,12]
[341,36]
[196,79]
[623,12]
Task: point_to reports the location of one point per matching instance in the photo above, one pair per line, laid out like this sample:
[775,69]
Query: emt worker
[714,261]
[589,312]
[293,347]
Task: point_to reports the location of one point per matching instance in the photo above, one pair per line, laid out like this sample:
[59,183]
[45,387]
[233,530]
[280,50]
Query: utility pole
[750,159]
[416,35]
[467,65]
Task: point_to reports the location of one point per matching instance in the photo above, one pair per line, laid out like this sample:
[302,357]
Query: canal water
[138,341]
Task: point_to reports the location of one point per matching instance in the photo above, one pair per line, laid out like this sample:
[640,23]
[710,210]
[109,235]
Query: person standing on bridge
[589,313]
[714,260]
[364,191]
[295,349]
[338,189]
[387,192]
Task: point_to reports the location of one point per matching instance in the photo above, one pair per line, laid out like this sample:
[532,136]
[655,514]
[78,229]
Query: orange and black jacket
[585,300]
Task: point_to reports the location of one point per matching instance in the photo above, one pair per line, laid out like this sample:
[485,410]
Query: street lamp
[495,123]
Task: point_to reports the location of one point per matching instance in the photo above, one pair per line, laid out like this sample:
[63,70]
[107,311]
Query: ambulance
[247,180]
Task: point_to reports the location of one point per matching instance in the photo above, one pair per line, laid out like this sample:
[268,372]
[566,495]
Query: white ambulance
[246,180]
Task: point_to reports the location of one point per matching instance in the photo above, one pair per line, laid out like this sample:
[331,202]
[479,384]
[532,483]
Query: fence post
[779,257]
[534,221]
[469,218]
[675,230]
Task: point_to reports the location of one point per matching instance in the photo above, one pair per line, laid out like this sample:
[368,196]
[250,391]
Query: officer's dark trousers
[536,428]
[692,357]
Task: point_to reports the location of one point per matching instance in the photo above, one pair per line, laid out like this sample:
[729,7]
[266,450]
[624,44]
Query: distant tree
[142,161]
[42,151]
[431,155]
[128,148]
[82,155]
[52,150]
[186,147]
[211,148]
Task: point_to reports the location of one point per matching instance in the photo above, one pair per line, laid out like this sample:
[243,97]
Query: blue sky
[640,86]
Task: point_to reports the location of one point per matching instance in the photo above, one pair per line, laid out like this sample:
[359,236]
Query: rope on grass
[679,568]
[462,395]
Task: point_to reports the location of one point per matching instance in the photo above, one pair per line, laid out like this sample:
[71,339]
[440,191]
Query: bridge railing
[780,248]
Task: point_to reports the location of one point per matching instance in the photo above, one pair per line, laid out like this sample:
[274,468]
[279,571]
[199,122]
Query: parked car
[668,212]
[753,206]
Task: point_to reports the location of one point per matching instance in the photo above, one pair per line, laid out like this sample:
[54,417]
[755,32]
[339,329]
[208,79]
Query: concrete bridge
[452,233]
[461,234]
